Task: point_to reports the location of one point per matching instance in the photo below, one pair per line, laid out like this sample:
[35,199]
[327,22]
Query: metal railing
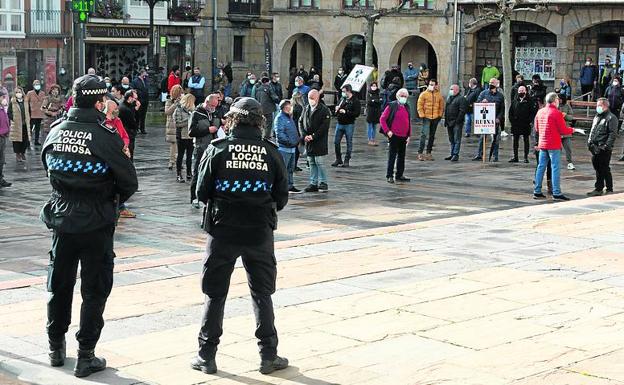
[44,22]
[185,10]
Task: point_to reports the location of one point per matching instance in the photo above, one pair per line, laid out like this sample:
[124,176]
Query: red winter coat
[172,81]
[550,125]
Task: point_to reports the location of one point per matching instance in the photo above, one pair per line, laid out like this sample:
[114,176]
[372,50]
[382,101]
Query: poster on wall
[9,72]
[607,53]
[536,61]
[50,72]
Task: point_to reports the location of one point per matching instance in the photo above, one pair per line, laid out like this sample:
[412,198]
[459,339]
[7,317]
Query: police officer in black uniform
[90,175]
[243,182]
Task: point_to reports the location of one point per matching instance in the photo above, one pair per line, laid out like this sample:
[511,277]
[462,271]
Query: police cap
[246,107]
[89,85]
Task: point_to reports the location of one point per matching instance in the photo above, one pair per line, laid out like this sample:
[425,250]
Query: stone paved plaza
[458,277]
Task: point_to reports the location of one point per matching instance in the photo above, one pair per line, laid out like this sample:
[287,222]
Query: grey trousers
[567,146]
[3,142]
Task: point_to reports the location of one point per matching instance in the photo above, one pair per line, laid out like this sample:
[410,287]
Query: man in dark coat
[314,124]
[600,142]
[243,182]
[472,94]
[90,176]
[521,114]
[141,85]
[265,94]
[128,116]
[454,115]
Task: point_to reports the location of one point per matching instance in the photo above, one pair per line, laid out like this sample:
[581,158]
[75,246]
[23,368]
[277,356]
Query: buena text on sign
[484,118]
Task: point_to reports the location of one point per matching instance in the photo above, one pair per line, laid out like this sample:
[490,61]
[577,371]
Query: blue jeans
[227,90]
[317,170]
[468,123]
[372,130]
[344,130]
[455,138]
[289,161]
[554,156]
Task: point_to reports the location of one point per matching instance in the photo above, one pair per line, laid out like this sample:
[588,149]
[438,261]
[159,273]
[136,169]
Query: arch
[346,42]
[419,45]
[308,52]
[517,17]
[587,18]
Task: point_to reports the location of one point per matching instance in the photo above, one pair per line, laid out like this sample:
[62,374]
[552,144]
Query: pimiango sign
[117,32]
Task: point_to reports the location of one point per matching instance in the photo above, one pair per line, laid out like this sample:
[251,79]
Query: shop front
[116,50]
[22,61]
[176,47]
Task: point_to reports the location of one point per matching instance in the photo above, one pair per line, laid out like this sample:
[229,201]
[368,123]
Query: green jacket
[489,73]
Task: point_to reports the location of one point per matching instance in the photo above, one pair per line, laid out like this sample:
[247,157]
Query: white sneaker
[571,166]
[195,203]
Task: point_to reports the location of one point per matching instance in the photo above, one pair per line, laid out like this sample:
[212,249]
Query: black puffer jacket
[521,115]
[455,110]
[603,132]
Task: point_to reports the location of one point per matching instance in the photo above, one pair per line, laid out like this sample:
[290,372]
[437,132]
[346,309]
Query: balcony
[44,22]
[244,7]
[109,9]
[185,10]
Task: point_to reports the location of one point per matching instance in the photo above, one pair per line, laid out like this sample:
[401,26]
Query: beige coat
[170,128]
[52,107]
[16,122]
[35,101]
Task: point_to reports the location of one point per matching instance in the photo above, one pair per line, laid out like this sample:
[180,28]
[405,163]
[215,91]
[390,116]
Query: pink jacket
[550,125]
[400,125]
[5,125]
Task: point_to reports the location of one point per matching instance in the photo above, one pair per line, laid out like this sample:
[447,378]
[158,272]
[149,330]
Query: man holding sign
[490,95]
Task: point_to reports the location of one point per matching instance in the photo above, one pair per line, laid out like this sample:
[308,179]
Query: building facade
[117,36]
[553,42]
[34,41]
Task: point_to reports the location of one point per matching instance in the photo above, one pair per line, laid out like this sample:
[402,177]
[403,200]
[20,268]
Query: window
[238,48]
[3,23]
[419,4]
[304,3]
[11,17]
[358,4]
[244,7]
[16,23]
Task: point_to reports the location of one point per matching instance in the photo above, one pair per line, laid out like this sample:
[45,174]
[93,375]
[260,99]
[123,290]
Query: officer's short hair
[88,101]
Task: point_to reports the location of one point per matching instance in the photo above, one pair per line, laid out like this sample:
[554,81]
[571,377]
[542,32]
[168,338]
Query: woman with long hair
[170,129]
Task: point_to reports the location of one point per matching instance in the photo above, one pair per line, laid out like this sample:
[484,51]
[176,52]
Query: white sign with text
[484,118]
[358,77]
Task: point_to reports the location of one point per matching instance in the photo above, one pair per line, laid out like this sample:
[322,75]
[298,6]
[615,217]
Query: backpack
[394,106]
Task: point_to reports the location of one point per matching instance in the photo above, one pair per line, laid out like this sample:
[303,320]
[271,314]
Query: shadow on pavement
[292,373]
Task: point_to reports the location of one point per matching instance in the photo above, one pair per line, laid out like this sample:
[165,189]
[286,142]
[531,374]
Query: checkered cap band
[100,91]
[239,110]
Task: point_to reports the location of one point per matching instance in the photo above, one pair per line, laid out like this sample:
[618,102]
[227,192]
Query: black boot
[338,161]
[269,366]
[206,366]
[88,363]
[57,353]
[346,162]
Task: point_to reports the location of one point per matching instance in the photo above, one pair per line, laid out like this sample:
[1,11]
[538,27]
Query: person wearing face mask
[430,110]
[302,88]
[19,115]
[588,79]
[521,114]
[615,96]
[141,85]
[125,84]
[287,137]
[170,128]
[196,85]
[607,74]
[492,95]
[203,126]
[303,74]
[267,98]
[346,112]
[314,125]
[565,89]
[5,128]
[65,81]
[90,176]
[538,90]
[454,115]
[277,86]
[550,126]
[472,94]
[108,83]
[248,85]
[34,101]
[396,124]
[373,112]
[339,80]
[411,77]
[600,143]
[490,71]
[128,116]
[52,107]
[423,77]
[566,140]
[514,89]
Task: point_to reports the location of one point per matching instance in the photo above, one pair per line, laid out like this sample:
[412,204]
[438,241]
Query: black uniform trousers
[141,114]
[259,262]
[94,250]
[604,178]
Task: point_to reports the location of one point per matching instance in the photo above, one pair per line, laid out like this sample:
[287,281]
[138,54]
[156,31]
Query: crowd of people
[298,118]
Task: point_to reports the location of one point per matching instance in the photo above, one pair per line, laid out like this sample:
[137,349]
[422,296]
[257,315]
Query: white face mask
[402,99]
[108,85]
[125,86]
[431,88]
[252,81]
[19,95]
[37,87]
[313,103]
[615,84]
[587,63]
[4,102]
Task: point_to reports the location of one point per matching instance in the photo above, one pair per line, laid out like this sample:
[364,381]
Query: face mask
[402,99]
[410,66]
[62,72]
[37,87]
[4,103]
[125,86]
[373,88]
[489,65]
[277,79]
[19,95]
[431,88]
[521,94]
[252,81]
[492,87]
[344,94]
[108,85]
[587,63]
[615,84]
[562,83]
[340,72]
[599,110]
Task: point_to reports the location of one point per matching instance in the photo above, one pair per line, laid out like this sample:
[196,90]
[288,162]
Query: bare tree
[371,16]
[502,12]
